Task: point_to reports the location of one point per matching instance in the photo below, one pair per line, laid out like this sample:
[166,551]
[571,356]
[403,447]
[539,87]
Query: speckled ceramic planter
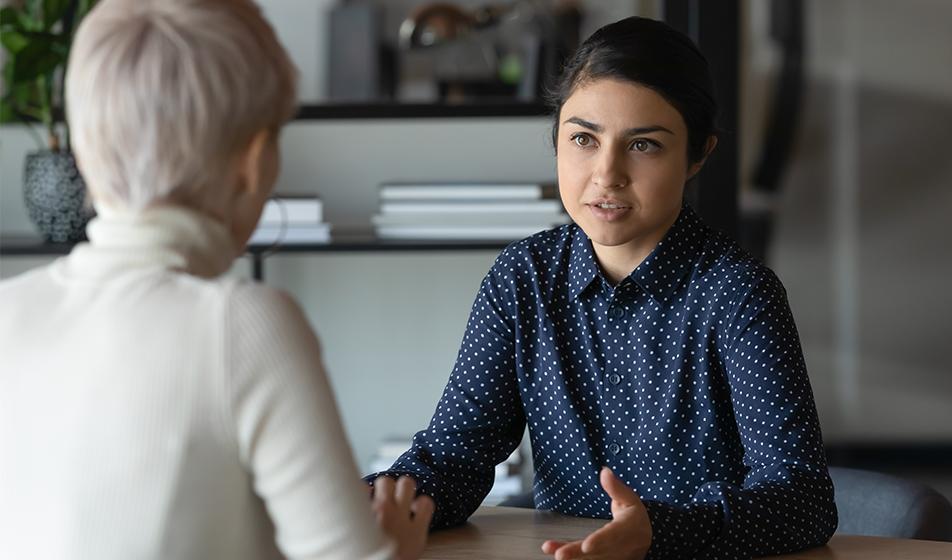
[55,196]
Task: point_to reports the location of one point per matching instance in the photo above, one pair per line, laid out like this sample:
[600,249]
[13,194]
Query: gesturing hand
[401,515]
[626,537]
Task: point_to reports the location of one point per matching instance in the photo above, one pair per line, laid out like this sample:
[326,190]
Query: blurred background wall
[859,220]
[862,238]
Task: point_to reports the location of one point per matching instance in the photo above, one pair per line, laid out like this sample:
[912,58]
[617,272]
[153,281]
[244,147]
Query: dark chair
[871,503]
[876,504]
[519,501]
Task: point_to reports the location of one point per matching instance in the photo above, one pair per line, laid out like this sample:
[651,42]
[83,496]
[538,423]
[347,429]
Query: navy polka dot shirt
[686,378]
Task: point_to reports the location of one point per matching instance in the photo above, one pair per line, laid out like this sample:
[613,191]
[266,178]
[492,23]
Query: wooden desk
[499,533]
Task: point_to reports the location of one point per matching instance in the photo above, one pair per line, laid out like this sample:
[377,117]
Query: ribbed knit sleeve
[289,432]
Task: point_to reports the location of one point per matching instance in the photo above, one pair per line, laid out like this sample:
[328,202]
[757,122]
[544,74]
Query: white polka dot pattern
[687,379]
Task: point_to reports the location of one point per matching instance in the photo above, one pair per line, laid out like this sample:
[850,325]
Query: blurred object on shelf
[448,53]
[292,220]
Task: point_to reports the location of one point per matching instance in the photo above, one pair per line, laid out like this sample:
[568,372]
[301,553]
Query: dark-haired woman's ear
[708,149]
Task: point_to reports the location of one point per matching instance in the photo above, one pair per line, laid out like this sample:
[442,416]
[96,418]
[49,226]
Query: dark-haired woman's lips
[608,211]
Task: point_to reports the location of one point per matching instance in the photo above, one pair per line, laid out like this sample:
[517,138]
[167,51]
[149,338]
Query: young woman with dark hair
[650,357]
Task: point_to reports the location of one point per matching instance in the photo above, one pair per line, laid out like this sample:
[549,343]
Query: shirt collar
[583,269]
[659,273]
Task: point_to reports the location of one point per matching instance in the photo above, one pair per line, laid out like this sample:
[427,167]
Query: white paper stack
[388,451]
[508,480]
[465,211]
[292,220]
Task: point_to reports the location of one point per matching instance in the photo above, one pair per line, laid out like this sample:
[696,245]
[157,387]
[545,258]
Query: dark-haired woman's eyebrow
[584,124]
[638,131]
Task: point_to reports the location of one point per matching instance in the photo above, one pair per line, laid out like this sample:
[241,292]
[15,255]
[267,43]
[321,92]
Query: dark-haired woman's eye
[581,140]
[645,146]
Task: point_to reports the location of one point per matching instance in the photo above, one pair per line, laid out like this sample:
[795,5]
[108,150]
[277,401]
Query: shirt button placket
[617,312]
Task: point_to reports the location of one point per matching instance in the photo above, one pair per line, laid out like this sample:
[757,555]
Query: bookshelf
[714,26]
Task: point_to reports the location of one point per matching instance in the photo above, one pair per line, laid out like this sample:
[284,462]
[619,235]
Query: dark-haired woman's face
[622,165]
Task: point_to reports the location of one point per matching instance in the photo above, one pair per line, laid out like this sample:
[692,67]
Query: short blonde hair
[162,95]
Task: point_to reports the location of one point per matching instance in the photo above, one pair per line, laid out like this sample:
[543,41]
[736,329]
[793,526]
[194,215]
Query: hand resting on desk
[626,536]
[401,515]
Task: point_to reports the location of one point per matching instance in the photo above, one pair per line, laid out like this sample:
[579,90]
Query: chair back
[876,504]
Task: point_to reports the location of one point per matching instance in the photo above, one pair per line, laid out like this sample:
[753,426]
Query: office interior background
[856,224]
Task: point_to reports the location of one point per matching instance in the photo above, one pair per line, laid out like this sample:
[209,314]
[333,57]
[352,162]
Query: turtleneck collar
[169,237]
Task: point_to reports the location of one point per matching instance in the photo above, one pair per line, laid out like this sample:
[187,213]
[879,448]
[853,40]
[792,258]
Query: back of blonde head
[162,96]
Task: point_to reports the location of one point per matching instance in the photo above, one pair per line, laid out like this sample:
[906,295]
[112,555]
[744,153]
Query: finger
[405,492]
[423,508]
[570,551]
[617,490]
[604,539]
[383,489]
[549,547]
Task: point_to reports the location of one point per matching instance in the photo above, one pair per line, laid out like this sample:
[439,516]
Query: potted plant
[36,35]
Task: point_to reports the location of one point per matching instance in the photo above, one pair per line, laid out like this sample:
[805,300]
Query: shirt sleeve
[786,500]
[289,433]
[479,419]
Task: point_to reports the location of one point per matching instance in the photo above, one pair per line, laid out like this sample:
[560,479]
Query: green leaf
[84,7]
[8,74]
[37,59]
[29,16]
[33,8]
[8,17]
[14,41]
[53,11]
[55,42]
[23,98]
[7,114]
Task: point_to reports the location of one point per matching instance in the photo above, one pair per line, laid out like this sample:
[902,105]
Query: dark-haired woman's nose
[610,171]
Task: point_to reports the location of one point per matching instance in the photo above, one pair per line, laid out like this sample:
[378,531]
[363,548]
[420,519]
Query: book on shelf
[543,206]
[502,488]
[292,210]
[508,479]
[459,232]
[461,191]
[290,234]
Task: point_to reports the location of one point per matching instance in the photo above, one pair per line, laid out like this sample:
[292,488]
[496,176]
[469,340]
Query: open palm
[626,537]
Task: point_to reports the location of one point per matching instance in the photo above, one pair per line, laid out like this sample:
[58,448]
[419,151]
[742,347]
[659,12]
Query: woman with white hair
[151,407]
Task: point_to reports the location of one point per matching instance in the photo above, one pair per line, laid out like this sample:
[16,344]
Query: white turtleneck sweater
[152,409]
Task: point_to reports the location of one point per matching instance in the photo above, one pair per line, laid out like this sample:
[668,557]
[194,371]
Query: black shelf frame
[395,110]
[358,242]
[715,27]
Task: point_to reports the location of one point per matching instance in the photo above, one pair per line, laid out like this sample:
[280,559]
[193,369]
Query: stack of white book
[289,220]
[465,211]
[388,451]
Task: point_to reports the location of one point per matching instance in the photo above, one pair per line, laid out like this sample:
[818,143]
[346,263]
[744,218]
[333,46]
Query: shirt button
[618,312]
[614,378]
[614,448]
